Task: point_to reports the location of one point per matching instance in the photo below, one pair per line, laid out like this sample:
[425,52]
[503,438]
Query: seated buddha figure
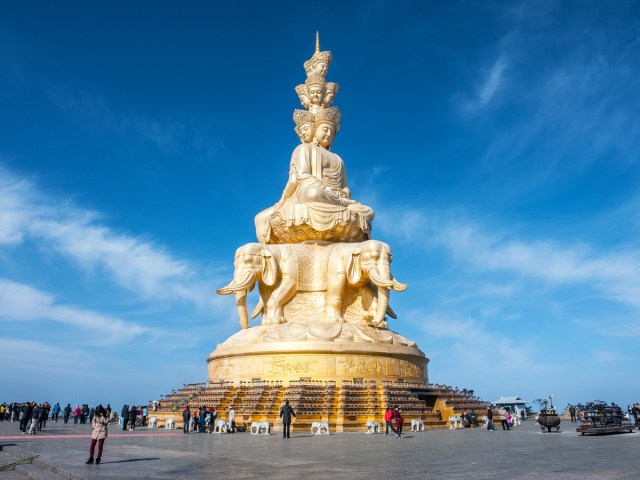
[316,203]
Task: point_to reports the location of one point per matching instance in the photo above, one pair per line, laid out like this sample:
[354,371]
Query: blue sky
[498,143]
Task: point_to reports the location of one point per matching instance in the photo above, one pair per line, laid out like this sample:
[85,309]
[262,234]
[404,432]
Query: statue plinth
[325,351]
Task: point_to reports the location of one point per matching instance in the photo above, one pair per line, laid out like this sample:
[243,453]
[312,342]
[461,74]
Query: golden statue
[323,283]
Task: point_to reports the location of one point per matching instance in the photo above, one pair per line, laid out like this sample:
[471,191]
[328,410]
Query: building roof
[510,401]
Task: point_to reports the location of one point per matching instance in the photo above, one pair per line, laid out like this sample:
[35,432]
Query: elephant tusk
[397,286]
[378,281]
[246,283]
[258,310]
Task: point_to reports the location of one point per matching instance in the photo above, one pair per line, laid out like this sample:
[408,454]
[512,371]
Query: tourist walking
[99,425]
[388,417]
[55,411]
[186,418]
[490,419]
[285,413]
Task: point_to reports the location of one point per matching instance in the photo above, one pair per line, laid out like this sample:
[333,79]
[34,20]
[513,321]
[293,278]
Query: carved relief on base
[363,366]
[281,366]
[408,369]
[222,368]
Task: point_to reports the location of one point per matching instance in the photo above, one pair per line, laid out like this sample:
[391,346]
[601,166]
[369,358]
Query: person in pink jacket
[76,414]
[99,425]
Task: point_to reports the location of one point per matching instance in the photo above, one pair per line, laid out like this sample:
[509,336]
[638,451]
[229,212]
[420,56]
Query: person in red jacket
[388,416]
[399,420]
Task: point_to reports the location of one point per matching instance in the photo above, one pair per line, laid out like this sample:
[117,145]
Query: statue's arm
[289,188]
[302,163]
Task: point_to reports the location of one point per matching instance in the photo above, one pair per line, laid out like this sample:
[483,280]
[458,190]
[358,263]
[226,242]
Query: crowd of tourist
[32,416]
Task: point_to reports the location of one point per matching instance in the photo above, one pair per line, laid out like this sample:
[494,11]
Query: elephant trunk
[240,285]
[383,302]
[241,302]
[384,281]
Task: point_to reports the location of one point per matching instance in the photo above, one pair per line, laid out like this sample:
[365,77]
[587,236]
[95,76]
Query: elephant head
[373,259]
[253,262]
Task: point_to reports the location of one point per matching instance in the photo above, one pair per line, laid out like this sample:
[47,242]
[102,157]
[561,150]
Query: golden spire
[317,42]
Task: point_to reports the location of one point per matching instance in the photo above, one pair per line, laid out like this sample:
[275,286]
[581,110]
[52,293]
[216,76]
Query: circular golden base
[330,352]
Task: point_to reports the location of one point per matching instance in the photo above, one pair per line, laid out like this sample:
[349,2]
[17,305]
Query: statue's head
[318,64]
[316,89]
[331,90]
[327,125]
[301,90]
[304,125]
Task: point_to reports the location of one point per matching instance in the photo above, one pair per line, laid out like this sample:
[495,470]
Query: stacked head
[316,95]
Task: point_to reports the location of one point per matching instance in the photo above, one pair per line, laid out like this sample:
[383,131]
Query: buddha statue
[316,202]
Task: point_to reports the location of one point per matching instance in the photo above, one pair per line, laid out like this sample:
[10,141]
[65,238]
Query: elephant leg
[333,300]
[275,305]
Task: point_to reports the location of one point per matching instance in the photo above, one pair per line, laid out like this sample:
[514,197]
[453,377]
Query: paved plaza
[523,453]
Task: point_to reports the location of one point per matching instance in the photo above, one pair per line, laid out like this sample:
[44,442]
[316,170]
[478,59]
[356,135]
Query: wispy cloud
[614,274]
[136,264]
[487,90]
[22,303]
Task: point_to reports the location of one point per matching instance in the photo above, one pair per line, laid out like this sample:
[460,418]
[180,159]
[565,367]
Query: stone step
[36,469]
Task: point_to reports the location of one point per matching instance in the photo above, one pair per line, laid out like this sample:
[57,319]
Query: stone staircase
[17,463]
[346,406]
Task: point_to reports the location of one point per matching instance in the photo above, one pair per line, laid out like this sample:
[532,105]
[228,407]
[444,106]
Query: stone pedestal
[317,351]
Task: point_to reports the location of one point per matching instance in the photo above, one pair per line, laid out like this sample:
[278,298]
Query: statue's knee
[313,194]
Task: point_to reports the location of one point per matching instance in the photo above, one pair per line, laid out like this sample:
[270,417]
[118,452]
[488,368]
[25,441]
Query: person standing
[124,416]
[25,415]
[133,415]
[232,420]
[388,417]
[55,411]
[490,419]
[66,413]
[399,420]
[635,413]
[145,413]
[285,413]
[99,425]
[503,418]
[84,414]
[186,418]
[572,412]
[202,415]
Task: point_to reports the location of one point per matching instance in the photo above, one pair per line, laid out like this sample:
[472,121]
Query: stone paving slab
[523,453]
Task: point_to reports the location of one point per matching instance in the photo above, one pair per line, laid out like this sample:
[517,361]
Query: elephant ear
[269,269]
[354,271]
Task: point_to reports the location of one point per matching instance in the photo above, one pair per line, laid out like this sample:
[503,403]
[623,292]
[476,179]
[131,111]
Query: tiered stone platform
[346,405]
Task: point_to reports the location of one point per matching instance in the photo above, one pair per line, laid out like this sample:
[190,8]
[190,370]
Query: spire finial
[317,42]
